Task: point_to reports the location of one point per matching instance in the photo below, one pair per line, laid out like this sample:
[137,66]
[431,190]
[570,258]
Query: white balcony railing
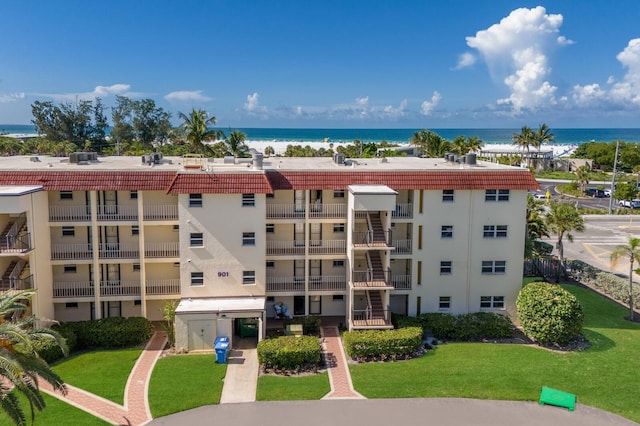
[69,213]
[328,283]
[403,246]
[284,211]
[118,251]
[401,282]
[120,288]
[117,212]
[320,210]
[285,284]
[157,250]
[163,287]
[403,211]
[327,246]
[71,251]
[73,289]
[284,248]
[169,212]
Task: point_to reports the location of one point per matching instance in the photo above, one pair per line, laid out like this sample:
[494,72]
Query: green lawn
[605,376]
[57,413]
[276,388]
[183,382]
[103,372]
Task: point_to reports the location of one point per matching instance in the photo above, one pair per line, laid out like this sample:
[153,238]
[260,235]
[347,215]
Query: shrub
[310,324]
[382,344]
[114,332]
[548,313]
[613,286]
[468,327]
[49,350]
[289,352]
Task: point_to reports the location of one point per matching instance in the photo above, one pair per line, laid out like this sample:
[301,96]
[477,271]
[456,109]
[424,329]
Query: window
[135,230]
[338,227]
[176,264]
[66,195]
[495,231]
[271,228]
[73,305]
[271,298]
[248,238]
[70,269]
[68,231]
[446,231]
[176,228]
[393,225]
[137,302]
[195,200]
[197,279]
[444,303]
[447,195]
[419,237]
[133,195]
[338,297]
[338,193]
[494,266]
[419,277]
[270,264]
[248,277]
[491,302]
[136,266]
[196,239]
[496,195]
[445,267]
[338,263]
[418,305]
[248,200]
[271,195]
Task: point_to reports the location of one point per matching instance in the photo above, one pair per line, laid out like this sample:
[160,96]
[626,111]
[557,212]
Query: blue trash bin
[221,347]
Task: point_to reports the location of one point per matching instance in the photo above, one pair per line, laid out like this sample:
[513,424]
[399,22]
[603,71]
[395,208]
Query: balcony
[403,211]
[73,289]
[328,211]
[71,251]
[119,288]
[328,283]
[11,244]
[327,247]
[401,282]
[277,284]
[366,318]
[160,250]
[169,212]
[69,213]
[285,211]
[403,246]
[371,239]
[163,287]
[117,213]
[285,248]
[118,251]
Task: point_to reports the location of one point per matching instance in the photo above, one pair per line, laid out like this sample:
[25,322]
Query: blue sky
[326,64]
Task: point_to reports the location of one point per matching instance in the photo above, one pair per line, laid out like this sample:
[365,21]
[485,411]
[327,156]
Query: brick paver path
[136,406]
[339,376]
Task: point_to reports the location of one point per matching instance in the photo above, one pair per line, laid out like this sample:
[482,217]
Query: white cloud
[97,92]
[253,107]
[428,106]
[187,96]
[516,52]
[114,89]
[465,60]
[362,102]
[12,97]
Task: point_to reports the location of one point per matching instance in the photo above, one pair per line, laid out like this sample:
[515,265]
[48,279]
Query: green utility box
[558,398]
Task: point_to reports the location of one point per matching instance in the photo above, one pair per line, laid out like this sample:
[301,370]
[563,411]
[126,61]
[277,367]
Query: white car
[607,193]
[633,204]
[538,195]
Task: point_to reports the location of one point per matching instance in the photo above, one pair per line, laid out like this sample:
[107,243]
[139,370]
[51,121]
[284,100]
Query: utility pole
[613,178]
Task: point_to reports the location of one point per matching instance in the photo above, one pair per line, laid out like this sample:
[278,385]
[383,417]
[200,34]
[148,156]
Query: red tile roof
[267,181]
[220,183]
[433,180]
[89,180]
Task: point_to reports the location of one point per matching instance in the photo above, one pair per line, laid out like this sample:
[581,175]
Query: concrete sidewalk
[241,379]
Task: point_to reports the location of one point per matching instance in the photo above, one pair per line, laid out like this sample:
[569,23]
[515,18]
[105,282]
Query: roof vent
[82,157]
[229,159]
[470,159]
[257,161]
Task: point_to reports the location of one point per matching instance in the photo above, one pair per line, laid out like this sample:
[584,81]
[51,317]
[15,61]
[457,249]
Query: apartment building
[228,238]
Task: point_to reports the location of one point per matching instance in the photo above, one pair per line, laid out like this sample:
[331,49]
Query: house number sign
[223,274]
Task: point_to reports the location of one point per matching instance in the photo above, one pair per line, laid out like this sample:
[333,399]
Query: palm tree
[196,129]
[525,139]
[236,145]
[562,219]
[631,251]
[431,144]
[536,226]
[21,367]
[543,135]
[582,176]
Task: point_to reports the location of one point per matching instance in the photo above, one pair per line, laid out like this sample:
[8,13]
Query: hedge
[382,344]
[289,352]
[114,332]
[613,286]
[466,327]
[548,313]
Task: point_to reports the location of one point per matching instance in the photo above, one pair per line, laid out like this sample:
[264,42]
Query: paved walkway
[136,407]
[241,379]
[339,376]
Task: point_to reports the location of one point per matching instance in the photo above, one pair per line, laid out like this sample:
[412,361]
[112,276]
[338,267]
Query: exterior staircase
[11,233]
[377,307]
[11,276]
[377,269]
[377,229]
[4,236]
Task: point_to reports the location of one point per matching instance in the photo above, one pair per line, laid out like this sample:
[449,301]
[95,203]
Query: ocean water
[488,136]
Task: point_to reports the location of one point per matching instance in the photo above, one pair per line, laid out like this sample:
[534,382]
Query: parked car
[632,204]
[595,193]
[607,193]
